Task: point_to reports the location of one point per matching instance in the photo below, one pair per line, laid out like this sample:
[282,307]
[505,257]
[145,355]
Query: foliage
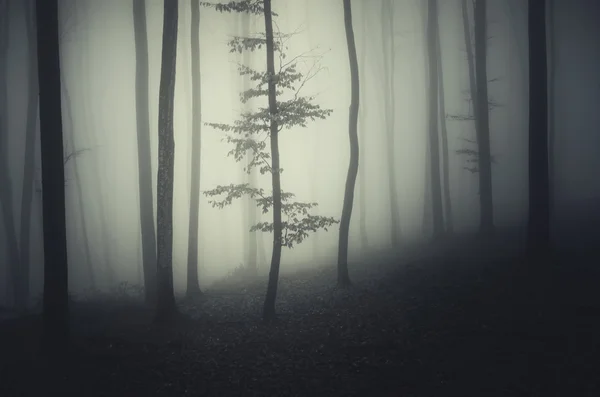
[472,157]
[248,6]
[248,135]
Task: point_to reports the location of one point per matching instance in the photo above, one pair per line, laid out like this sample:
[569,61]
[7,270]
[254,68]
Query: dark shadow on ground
[461,318]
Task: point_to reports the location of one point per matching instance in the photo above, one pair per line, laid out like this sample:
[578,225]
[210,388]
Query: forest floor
[451,320]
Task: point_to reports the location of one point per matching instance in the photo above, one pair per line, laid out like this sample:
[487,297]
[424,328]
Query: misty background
[99,118]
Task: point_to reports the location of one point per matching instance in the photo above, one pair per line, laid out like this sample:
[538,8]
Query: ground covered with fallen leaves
[461,318]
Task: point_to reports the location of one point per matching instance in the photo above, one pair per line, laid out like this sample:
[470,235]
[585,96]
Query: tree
[245,135]
[166,307]
[193,286]
[56,302]
[390,109]
[539,187]
[343,277]
[486,223]
[143,148]
[6,193]
[434,145]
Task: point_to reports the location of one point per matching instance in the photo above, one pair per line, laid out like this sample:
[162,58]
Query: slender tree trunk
[6,193]
[551,48]
[444,135]
[390,108]
[193,286]
[166,307]
[434,145]
[483,125]
[29,160]
[470,61]
[56,286]
[146,197]
[539,189]
[362,128]
[269,306]
[343,277]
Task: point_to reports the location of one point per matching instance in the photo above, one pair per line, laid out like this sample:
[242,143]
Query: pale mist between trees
[110,65]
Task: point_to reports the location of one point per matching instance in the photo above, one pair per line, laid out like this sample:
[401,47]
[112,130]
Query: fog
[99,118]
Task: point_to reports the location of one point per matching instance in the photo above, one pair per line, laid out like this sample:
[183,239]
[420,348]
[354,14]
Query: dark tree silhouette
[29,160]
[193,286]
[56,294]
[269,306]
[539,186]
[142,112]
[434,144]
[342,265]
[486,223]
[6,195]
[166,307]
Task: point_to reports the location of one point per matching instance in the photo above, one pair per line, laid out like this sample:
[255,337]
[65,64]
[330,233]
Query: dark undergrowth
[437,321]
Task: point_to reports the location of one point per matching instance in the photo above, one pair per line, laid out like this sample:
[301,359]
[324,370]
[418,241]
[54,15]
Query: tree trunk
[269,306]
[342,265]
[390,108]
[146,197]
[444,134]
[193,286]
[166,307]
[551,48]
[470,61]
[434,145]
[6,194]
[362,172]
[539,189]
[56,286]
[486,224]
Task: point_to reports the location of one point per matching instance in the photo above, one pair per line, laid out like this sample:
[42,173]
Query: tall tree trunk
[343,277]
[6,193]
[444,135]
[146,197]
[539,189]
[269,306]
[56,285]
[486,224]
[551,48]
[362,127]
[470,61]
[390,109]
[193,286]
[166,307]
[28,158]
[434,145]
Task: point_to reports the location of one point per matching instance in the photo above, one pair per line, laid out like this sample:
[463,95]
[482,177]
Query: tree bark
[193,286]
[166,307]
[434,145]
[342,265]
[56,295]
[486,224]
[269,306]
[146,196]
[539,186]
[29,160]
